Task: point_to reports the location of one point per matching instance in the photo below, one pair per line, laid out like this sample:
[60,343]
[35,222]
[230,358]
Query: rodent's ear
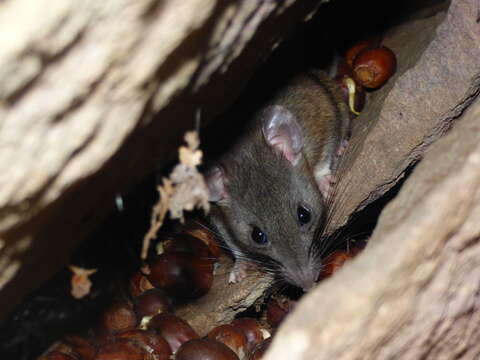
[215,179]
[282,131]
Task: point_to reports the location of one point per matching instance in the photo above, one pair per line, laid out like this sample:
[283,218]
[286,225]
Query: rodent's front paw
[326,184]
[341,149]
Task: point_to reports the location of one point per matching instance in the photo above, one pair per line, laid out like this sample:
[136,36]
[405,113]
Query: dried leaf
[81,283]
[185,189]
[189,157]
[192,140]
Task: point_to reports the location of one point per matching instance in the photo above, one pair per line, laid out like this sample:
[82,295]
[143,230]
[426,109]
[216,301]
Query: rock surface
[96,95]
[437,78]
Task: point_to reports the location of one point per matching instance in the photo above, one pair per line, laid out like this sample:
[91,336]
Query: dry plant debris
[185,189]
[81,284]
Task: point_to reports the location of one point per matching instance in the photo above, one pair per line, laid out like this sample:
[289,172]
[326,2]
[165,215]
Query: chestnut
[277,309]
[119,317]
[139,283]
[173,329]
[189,244]
[152,302]
[122,349]
[57,355]
[373,67]
[82,347]
[353,51]
[253,331]
[205,349]
[229,335]
[259,350]
[203,233]
[183,276]
[148,341]
[335,261]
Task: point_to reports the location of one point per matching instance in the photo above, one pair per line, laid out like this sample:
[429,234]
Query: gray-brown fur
[321,111]
[259,187]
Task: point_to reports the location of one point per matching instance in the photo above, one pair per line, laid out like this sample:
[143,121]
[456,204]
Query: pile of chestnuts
[143,326]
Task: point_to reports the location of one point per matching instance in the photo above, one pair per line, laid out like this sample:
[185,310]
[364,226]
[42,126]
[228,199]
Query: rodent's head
[269,207]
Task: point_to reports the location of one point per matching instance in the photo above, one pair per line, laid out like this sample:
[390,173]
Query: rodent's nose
[309,279]
[304,279]
[308,285]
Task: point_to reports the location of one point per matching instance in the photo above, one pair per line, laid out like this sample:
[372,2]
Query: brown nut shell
[334,261]
[277,310]
[203,233]
[139,283]
[373,67]
[122,349]
[118,317]
[57,355]
[231,336]
[353,51]
[84,348]
[205,349]
[173,329]
[252,329]
[182,276]
[149,341]
[189,244]
[152,302]
[259,350]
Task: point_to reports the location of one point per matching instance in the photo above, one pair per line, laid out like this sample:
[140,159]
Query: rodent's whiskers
[206,227]
[265,264]
[336,200]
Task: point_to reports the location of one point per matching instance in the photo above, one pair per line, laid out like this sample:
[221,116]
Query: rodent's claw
[326,184]
[343,146]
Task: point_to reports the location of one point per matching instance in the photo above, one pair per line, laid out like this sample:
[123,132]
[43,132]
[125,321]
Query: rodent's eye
[304,215]
[259,236]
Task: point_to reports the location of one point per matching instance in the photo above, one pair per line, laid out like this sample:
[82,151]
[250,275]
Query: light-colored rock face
[94,95]
[80,83]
